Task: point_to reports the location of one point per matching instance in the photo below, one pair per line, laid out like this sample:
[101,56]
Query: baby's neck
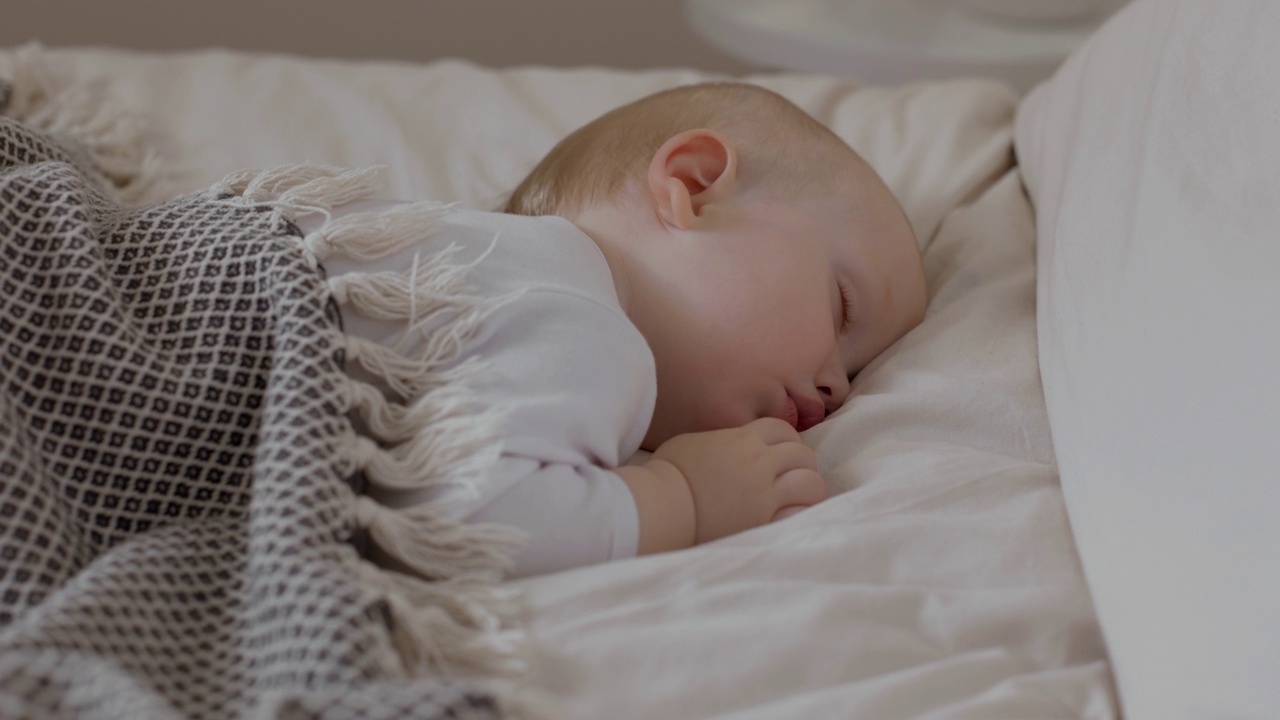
[616,228]
[602,228]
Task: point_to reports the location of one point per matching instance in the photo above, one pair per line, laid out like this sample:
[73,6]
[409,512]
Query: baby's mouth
[791,413]
[802,412]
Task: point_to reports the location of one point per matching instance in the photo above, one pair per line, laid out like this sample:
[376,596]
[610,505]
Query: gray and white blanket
[182,454]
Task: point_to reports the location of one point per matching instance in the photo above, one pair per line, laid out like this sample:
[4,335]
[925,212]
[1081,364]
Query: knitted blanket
[182,452]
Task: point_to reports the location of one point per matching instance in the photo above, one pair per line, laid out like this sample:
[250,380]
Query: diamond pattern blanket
[182,452]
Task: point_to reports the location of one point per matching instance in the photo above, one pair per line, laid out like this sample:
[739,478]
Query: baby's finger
[792,456]
[799,487]
[772,430]
[787,512]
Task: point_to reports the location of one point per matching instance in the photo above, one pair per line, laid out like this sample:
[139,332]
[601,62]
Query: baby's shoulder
[537,254]
[520,231]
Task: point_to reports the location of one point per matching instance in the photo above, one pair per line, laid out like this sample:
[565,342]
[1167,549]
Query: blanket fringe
[370,235]
[419,294]
[451,616]
[411,376]
[122,145]
[452,455]
[422,429]
[313,188]
[437,548]
[455,628]
[393,421]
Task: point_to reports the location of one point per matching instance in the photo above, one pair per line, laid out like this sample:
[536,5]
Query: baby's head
[763,260]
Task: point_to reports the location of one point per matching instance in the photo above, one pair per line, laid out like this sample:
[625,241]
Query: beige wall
[616,33]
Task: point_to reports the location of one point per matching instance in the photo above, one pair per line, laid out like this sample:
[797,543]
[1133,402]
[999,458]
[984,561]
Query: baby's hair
[774,139]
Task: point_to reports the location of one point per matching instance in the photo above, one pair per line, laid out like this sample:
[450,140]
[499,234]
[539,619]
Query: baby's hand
[744,477]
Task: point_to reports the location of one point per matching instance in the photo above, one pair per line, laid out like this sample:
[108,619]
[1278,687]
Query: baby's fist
[744,477]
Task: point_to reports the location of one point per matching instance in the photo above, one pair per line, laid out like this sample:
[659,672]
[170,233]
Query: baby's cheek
[728,412]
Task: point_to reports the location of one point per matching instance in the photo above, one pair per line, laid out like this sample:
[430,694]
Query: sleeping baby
[700,273]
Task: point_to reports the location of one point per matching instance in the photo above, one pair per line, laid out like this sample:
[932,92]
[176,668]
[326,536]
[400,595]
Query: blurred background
[1019,42]
[614,33]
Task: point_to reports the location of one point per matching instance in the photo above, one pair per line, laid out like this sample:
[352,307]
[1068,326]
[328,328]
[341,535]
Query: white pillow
[1153,161]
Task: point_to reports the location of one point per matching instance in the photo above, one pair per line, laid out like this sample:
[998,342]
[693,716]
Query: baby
[702,272]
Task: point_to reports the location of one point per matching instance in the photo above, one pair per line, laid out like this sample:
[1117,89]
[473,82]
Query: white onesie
[577,374]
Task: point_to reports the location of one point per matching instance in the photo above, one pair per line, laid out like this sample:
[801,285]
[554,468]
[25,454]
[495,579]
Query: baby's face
[773,313]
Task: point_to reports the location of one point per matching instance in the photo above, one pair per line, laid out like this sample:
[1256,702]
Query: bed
[1025,520]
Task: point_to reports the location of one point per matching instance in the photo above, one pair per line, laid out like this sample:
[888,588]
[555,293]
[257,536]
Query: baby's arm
[703,486]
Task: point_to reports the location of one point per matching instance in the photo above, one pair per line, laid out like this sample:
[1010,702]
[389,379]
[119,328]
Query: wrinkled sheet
[940,580]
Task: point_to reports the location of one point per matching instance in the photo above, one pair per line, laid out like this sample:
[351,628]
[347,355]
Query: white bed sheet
[940,580]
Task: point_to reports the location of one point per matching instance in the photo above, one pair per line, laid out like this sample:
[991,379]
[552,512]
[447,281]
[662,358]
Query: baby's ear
[691,169]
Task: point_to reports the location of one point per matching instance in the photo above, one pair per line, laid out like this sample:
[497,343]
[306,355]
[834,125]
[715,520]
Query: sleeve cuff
[626,521]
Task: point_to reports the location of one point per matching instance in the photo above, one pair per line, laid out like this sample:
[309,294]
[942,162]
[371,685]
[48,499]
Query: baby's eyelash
[846,308]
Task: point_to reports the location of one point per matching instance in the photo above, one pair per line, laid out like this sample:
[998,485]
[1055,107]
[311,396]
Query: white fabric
[577,378]
[1153,158]
[942,581]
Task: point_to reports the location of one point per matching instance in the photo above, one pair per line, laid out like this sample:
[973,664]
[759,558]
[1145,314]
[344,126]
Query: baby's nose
[833,384]
[833,398]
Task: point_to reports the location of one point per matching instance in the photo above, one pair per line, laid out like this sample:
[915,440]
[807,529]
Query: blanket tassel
[453,453]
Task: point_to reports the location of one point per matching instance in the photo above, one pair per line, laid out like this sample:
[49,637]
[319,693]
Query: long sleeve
[578,384]
[576,377]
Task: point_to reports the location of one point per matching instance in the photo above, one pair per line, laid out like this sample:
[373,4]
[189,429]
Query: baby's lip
[804,412]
